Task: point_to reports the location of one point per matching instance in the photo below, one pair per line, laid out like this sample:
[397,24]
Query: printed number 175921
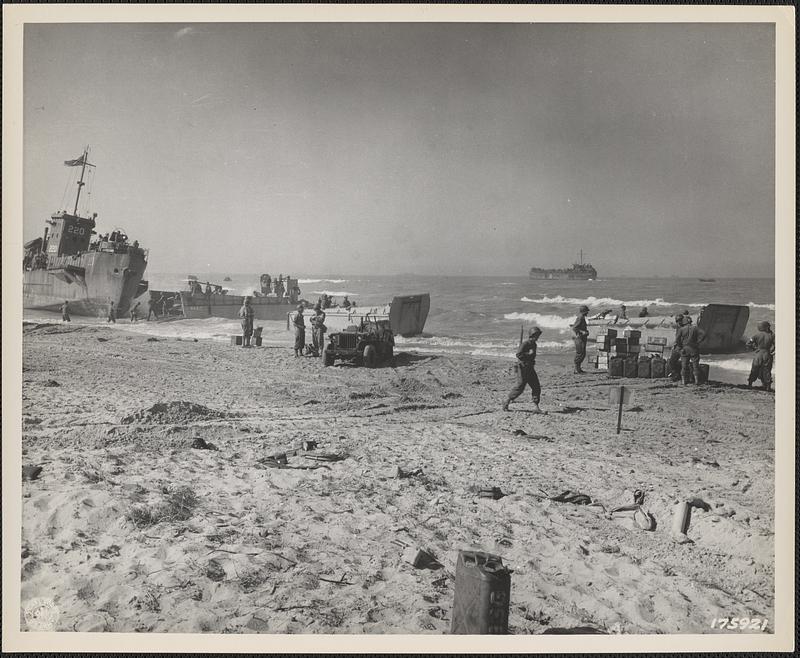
[740,623]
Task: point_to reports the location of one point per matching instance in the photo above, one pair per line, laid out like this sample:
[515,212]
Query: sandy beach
[135,523]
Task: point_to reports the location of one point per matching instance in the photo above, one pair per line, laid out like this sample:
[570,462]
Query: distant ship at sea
[580,271]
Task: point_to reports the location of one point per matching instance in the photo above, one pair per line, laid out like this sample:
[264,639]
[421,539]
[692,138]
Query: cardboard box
[621,345]
[611,333]
[603,343]
[632,333]
[634,349]
[657,340]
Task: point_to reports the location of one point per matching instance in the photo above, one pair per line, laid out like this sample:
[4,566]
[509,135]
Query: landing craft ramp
[407,315]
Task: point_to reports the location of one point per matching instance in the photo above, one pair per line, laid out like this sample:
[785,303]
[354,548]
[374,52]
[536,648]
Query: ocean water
[483,315]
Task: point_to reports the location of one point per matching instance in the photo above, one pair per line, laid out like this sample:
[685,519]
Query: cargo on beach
[723,325]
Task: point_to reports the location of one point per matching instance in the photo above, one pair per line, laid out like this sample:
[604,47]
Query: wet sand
[129,527]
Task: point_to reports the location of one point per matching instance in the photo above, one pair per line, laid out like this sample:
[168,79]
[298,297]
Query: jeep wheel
[370,357]
[327,357]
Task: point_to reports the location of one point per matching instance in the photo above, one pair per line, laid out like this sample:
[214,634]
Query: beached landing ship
[67,265]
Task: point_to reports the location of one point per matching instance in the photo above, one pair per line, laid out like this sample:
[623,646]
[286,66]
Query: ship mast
[84,157]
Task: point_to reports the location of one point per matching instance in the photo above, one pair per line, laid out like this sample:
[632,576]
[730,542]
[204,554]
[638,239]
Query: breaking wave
[542,321]
[334,293]
[606,301]
[611,301]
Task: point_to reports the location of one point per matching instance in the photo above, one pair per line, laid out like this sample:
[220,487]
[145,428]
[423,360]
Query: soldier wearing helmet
[247,313]
[763,342]
[687,340]
[299,331]
[581,331]
[674,362]
[526,372]
[318,328]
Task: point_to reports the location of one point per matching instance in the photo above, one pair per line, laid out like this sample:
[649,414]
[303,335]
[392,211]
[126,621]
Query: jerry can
[703,373]
[658,367]
[482,592]
[631,367]
[616,366]
[643,368]
[236,340]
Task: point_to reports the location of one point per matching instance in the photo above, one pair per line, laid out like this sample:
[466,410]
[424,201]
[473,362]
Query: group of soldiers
[317,321]
[684,359]
[318,330]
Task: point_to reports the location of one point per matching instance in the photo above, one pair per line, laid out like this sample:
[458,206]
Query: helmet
[299,307]
[679,318]
[584,309]
[535,331]
[763,325]
[246,300]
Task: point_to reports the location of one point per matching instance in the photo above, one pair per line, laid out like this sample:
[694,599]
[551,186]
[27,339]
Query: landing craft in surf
[204,299]
[723,324]
[406,314]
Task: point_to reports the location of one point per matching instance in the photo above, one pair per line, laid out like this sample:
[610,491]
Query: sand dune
[128,527]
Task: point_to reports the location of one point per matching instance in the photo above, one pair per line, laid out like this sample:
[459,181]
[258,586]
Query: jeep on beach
[368,343]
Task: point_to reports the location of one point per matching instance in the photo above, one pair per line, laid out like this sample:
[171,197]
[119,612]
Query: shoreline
[728,368]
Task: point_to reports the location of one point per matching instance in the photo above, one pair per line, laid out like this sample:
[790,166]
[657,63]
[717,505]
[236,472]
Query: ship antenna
[84,164]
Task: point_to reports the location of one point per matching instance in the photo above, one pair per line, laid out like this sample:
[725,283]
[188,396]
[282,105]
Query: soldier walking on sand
[112,314]
[763,342]
[526,372]
[299,331]
[65,312]
[581,331]
[246,313]
[688,340]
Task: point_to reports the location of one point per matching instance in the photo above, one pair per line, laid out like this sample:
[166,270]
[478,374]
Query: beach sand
[128,527]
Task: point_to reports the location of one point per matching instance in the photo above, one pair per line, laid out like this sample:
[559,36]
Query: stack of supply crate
[604,343]
[656,345]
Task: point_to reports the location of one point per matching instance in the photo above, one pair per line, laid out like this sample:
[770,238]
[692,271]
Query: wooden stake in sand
[619,395]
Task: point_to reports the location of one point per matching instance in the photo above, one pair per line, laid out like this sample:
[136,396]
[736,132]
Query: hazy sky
[430,148]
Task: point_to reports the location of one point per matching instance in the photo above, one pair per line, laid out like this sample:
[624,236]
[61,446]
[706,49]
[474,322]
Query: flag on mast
[76,163]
